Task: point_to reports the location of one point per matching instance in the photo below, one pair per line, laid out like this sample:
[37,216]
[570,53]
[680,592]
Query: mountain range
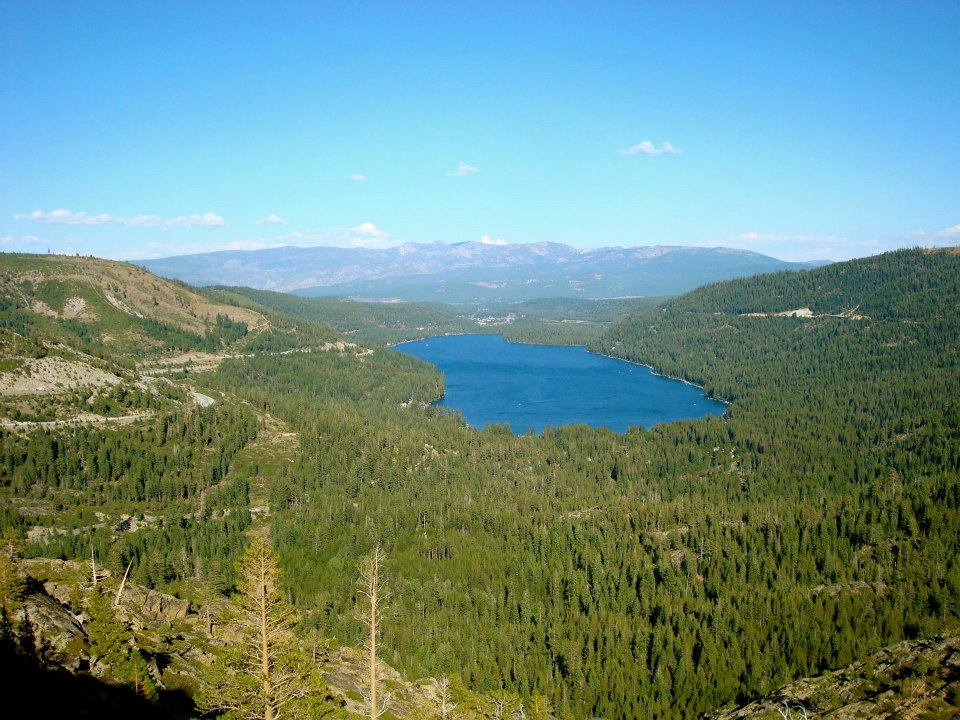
[471,272]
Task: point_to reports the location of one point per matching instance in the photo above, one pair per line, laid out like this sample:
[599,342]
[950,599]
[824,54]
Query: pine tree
[266,672]
[538,708]
[140,677]
[109,637]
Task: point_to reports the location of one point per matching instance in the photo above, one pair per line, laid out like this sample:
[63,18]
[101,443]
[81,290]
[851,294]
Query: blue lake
[532,386]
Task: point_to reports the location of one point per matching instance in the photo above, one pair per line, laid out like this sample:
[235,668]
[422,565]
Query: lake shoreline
[580,386]
[662,375]
[572,345]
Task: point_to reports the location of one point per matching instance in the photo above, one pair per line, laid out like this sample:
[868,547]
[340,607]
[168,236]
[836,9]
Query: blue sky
[801,130]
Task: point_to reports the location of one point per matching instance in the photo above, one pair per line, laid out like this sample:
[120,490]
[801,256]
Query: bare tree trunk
[116,603]
[441,697]
[371,585]
[373,652]
[270,672]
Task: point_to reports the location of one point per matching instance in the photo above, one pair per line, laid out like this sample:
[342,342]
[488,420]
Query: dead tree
[116,603]
[370,610]
[446,708]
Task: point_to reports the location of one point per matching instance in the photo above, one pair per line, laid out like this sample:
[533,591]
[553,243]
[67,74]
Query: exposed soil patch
[52,375]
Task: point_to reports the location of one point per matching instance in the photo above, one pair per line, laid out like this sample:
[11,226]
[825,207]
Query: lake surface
[532,386]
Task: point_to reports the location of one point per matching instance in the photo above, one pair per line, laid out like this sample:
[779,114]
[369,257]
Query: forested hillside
[870,382]
[659,573]
[100,431]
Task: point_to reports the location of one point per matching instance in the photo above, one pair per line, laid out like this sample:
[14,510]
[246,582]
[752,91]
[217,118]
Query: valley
[660,572]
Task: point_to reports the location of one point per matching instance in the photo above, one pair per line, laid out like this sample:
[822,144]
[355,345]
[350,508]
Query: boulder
[151,602]
[55,624]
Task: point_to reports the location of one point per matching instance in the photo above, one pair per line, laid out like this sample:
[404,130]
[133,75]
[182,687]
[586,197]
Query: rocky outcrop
[153,603]
[56,627]
[919,679]
[345,671]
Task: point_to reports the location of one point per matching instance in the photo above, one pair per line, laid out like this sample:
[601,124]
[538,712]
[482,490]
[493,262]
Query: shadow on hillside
[56,693]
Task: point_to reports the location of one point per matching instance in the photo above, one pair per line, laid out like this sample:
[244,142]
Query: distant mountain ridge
[471,271]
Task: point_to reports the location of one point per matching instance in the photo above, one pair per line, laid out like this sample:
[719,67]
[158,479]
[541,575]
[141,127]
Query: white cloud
[755,236]
[206,220]
[801,247]
[364,235]
[487,240]
[951,233]
[65,217]
[463,169]
[31,240]
[272,219]
[359,177]
[26,243]
[368,229]
[748,237]
[62,216]
[646,147]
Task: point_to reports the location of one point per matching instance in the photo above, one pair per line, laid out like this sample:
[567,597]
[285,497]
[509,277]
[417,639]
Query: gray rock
[152,602]
[55,624]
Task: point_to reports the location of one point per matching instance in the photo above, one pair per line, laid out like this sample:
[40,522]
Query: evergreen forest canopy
[659,573]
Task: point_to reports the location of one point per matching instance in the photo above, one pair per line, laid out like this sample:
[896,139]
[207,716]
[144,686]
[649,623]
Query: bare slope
[101,292]
[86,339]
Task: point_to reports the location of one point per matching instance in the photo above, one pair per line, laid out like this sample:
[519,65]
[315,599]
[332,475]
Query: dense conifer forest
[660,573]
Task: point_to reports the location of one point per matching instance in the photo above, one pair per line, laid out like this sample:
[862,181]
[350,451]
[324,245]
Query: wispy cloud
[487,240]
[949,233]
[359,177]
[364,235]
[646,147]
[8,240]
[463,170]
[206,220]
[63,216]
[766,237]
[748,237]
[799,246]
[272,219]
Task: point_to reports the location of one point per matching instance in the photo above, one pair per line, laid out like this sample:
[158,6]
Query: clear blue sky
[801,130]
